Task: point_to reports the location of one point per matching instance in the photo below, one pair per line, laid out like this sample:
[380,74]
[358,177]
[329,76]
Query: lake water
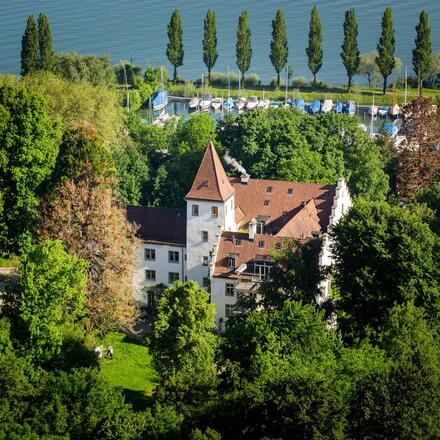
[136,29]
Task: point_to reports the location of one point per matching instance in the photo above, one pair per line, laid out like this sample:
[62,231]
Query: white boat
[194,103]
[264,104]
[217,103]
[162,118]
[327,106]
[241,104]
[383,111]
[205,102]
[252,102]
[372,111]
[395,110]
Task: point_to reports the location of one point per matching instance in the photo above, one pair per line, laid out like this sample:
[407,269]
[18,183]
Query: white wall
[196,247]
[161,265]
[219,298]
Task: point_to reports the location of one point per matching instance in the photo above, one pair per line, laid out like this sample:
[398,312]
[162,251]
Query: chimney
[252,229]
[244,178]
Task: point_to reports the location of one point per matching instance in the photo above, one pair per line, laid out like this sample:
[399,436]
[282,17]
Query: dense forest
[365,364]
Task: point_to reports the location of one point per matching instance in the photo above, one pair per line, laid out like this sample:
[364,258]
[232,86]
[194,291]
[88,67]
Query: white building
[223,240]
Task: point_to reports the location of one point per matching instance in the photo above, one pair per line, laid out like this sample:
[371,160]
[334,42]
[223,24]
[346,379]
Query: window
[230,262]
[229,310]
[238,241]
[289,190]
[173,276]
[278,246]
[269,189]
[204,235]
[266,203]
[150,254]
[173,256]
[229,289]
[195,210]
[205,282]
[214,211]
[261,244]
[262,269]
[205,261]
[150,275]
[260,227]
[205,184]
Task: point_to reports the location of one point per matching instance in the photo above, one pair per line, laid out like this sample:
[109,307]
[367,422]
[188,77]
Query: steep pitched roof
[211,182]
[303,224]
[281,202]
[159,225]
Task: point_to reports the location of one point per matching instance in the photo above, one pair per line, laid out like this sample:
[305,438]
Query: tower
[210,211]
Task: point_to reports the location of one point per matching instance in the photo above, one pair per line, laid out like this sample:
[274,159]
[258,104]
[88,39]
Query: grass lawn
[130,368]
[9,262]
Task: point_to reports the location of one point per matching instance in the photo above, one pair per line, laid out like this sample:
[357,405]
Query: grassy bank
[361,95]
[130,369]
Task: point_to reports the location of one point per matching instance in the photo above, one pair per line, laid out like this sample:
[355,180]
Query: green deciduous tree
[368,68]
[51,294]
[29,147]
[29,47]
[243,47]
[45,43]
[279,50]
[386,47]
[422,53]
[384,255]
[183,345]
[314,50]
[210,54]
[350,52]
[401,400]
[175,42]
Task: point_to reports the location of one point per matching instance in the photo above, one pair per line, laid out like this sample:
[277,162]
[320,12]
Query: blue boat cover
[160,98]
[391,129]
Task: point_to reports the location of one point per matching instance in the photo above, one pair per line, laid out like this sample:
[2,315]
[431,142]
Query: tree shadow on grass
[138,399]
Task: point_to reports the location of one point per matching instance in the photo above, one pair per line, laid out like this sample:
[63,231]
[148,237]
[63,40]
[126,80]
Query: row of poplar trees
[279,50]
[36,46]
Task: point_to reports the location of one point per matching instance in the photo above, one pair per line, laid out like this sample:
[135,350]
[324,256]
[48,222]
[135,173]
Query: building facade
[225,236]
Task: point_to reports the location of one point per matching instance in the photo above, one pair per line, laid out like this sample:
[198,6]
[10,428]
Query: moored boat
[194,103]
[205,102]
[299,104]
[391,129]
[350,108]
[252,102]
[228,104]
[383,111]
[314,107]
[339,107]
[217,103]
[241,103]
[159,100]
[372,111]
[395,110]
[327,106]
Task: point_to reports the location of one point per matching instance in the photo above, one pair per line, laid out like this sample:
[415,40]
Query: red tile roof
[159,225]
[281,203]
[211,182]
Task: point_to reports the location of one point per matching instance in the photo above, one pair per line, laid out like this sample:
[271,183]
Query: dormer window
[260,227]
[284,213]
[238,241]
[269,189]
[289,190]
[266,203]
[205,184]
[261,244]
[230,262]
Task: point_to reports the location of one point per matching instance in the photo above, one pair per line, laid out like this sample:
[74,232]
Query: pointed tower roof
[211,182]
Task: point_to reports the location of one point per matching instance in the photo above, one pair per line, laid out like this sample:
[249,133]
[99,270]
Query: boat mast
[287,84]
[406,83]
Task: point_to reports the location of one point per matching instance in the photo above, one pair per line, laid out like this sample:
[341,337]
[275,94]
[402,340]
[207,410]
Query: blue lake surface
[136,29]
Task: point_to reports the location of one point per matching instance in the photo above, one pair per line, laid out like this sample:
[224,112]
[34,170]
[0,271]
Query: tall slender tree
[210,54]
[279,50]
[29,47]
[350,53]
[175,42]
[386,47]
[422,54]
[45,43]
[243,46]
[314,50]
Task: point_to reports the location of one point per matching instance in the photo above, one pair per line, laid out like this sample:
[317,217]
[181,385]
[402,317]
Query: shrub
[252,80]
[299,81]
[273,82]
[220,79]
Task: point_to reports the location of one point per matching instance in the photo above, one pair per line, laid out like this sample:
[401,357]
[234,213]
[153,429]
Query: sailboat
[159,100]
[299,104]
[394,109]
[383,111]
[252,102]
[264,103]
[372,111]
[327,106]
[339,107]
[206,100]
[240,104]
[350,108]
[217,103]
[228,103]
[314,107]
[194,103]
